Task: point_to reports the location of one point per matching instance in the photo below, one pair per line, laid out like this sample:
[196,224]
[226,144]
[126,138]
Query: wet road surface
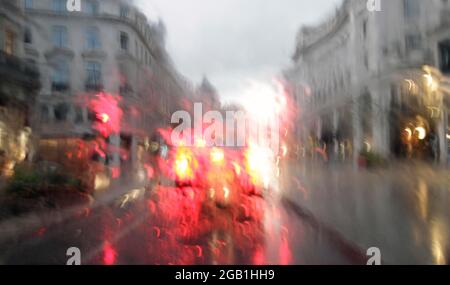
[321,216]
[172,226]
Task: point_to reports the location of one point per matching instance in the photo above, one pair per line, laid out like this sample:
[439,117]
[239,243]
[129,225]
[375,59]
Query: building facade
[374,80]
[207,94]
[109,47]
[19,84]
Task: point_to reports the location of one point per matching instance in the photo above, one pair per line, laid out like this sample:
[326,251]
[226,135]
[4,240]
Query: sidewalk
[16,228]
[404,209]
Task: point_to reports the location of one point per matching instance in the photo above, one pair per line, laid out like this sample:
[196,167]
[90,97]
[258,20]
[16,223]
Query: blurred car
[224,173]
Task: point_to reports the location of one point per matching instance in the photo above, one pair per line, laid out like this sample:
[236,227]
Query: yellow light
[438,242]
[368,146]
[409,132]
[125,200]
[104,117]
[212,193]
[226,193]
[429,79]
[136,193]
[237,168]
[423,199]
[200,143]
[8,168]
[259,164]
[217,155]
[411,84]
[101,182]
[431,83]
[422,133]
[284,150]
[183,164]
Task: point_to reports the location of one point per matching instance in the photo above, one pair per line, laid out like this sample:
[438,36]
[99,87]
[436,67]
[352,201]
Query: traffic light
[108,114]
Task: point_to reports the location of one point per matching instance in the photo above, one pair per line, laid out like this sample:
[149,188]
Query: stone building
[374,80]
[19,84]
[207,94]
[108,47]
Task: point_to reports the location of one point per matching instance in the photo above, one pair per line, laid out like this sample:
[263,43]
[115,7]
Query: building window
[94,76]
[412,8]
[61,112]
[93,38]
[59,5]
[60,76]
[28,4]
[444,55]
[45,114]
[79,115]
[124,41]
[124,11]
[10,39]
[413,42]
[92,7]
[28,37]
[125,89]
[59,36]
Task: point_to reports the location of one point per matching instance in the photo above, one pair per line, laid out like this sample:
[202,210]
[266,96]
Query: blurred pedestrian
[433,140]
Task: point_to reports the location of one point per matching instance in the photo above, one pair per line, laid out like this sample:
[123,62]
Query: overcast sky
[234,41]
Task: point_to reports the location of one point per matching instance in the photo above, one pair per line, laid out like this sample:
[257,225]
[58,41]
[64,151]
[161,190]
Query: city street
[226,132]
[401,210]
[173,231]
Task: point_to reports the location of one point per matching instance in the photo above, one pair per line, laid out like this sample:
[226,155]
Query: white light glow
[263,101]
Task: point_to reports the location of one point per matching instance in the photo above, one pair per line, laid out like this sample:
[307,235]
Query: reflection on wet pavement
[325,222]
[403,210]
[179,226]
